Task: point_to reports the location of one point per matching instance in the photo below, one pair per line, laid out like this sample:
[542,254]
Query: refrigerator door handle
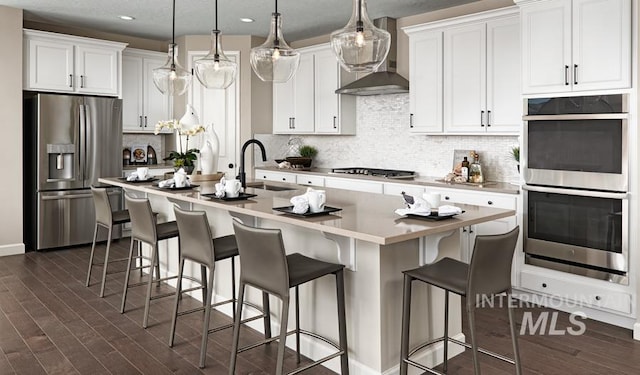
[83,142]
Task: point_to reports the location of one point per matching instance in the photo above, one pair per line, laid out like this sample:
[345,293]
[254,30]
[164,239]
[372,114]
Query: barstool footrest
[316,363]
[271,339]
[162,295]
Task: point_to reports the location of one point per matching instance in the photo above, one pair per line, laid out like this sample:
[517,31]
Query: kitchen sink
[262,185]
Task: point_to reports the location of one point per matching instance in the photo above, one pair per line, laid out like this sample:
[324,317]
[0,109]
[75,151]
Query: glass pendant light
[360,46]
[172,78]
[216,71]
[274,60]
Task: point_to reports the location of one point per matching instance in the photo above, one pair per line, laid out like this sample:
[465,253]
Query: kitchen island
[367,236]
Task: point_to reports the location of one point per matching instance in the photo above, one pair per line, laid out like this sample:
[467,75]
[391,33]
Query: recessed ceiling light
[247,20]
[127,18]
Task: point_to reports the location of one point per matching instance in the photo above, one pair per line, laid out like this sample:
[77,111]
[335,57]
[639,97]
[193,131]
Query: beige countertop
[489,186]
[364,216]
[132,167]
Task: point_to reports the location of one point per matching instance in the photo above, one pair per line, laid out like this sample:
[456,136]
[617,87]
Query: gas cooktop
[386,173]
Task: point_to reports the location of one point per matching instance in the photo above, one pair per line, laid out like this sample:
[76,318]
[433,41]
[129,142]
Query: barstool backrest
[490,267]
[262,258]
[143,222]
[195,236]
[102,205]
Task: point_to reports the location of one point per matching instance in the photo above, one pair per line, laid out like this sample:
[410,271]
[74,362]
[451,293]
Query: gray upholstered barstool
[488,274]
[145,229]
[197,245]
[265,266]
[105,218]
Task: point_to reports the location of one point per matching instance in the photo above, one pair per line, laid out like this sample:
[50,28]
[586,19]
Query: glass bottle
[475,171]
[465,169]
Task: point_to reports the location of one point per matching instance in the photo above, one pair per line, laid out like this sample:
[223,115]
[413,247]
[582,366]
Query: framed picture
[139,154]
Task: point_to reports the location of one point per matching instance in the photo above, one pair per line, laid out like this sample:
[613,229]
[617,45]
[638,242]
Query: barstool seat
[167,230]
[226,247]
[107,219]
[266,267]
[488,274]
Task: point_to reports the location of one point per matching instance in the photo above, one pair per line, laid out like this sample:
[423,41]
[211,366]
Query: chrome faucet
[243,176]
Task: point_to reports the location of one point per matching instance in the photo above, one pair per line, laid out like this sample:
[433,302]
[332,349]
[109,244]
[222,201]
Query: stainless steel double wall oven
[575,168]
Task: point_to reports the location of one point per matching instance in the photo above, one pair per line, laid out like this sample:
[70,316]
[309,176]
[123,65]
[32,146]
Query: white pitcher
[232,188]
[317,199]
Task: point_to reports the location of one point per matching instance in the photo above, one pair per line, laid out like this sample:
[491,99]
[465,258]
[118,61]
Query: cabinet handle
[488,118]
[470,230]
[544,285]
[489,203]
[575,74]
[81,81]
[566,75]
[264,177]
[597,298]
[334,122]
[140,121]
[464,230]
[482,118]
[411,120]
[309,182]
[284,179]
[293,123]
[145,121]
[70,80]
[446,198]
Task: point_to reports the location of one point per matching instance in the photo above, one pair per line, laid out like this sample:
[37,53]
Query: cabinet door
[283,113]
[50,65]
[304,98]
[601,44]
[155,104]
[97,70]
[425,95]
[327,111]
[504,104]
[465,78]
[132,93]
[546,47]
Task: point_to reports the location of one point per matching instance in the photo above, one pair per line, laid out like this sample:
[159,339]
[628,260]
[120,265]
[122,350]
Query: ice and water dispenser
[61,161]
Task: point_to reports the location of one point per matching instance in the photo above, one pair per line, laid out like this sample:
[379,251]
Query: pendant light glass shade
[274,60]
[360,46]
[172,78]
[216,71]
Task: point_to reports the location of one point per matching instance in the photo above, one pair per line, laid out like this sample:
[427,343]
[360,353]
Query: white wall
[11,99]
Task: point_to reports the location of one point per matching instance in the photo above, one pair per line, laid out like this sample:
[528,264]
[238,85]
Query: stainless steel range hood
[385,80]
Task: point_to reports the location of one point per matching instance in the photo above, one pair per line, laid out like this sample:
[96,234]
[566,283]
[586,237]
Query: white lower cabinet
[355,185]
[309,180]
[569,289]
[275,176]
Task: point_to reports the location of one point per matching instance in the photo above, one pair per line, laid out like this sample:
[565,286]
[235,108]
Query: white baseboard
[11,249]
[636,331]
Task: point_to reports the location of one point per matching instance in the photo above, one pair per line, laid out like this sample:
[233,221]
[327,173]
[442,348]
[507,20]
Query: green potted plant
[515,153]
[307,153]
[181,159]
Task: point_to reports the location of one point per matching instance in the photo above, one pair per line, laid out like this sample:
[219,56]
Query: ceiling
[301,18]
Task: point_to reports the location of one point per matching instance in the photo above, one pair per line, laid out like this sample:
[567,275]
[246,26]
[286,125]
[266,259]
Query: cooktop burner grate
[376,172]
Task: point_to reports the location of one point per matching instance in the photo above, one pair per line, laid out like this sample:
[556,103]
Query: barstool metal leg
[203,281]
[514,336]
[342,323]
[446,330]
[147,302]
[233,287]
[93,249]
[474,341]
[297,325]
[205,324]
[106,261]
[236,330]
[176,303]
[283,335]
[406,315]
[126,277]
[267,314]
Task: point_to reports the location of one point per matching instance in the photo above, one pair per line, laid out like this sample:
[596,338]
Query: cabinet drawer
[397,189]
[477,199]
[359,185]
[576,292]
[275,176]
[305,179]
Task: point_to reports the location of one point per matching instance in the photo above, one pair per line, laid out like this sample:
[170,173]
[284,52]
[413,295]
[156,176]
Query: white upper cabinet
[62,63]
[465,75]
[143,105]
[576,45]
[308,104]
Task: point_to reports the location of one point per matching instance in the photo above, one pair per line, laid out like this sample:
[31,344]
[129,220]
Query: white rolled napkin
[132,177]
[166,183]
[300,204]
[449,210]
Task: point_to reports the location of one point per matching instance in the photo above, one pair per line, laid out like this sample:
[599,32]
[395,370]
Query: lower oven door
[577,231]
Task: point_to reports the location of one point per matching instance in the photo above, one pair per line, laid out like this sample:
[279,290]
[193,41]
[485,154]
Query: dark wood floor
[51,323]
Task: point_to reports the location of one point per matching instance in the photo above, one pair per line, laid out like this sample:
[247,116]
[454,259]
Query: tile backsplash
[156,141]
[383,140]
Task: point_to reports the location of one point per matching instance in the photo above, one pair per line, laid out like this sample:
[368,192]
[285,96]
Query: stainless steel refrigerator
[69,142]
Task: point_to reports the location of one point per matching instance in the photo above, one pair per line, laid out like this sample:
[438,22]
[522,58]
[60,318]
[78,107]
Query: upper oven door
[576,148]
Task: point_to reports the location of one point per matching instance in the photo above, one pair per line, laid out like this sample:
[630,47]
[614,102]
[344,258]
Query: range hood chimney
[385,80]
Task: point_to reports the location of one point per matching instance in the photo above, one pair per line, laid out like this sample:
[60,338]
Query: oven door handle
[585,116]
[584,193]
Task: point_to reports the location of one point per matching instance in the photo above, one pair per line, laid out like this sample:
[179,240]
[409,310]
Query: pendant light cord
[359,25]
[276,42]
[216,14]
[216,32]
[173,38]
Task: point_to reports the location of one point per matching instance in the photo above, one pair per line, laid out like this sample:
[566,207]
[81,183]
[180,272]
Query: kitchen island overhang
[367,236]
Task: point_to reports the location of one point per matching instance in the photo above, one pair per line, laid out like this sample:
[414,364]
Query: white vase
[209,152]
